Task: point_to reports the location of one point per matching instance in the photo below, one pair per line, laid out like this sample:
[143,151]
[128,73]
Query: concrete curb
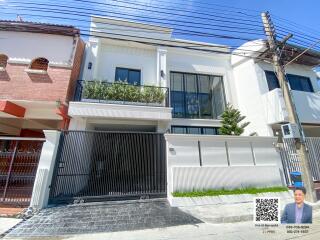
[225,199]
[229,209]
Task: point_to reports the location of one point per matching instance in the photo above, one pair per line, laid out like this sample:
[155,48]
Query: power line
[220,19]
[137,3]
[223,27]
[208,4]
[194,32]
[190,46]
[306,50]
[295,24]
[297,35]
[178,31]
[143,37]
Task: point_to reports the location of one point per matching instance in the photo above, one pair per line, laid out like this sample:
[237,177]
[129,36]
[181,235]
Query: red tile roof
[35,27]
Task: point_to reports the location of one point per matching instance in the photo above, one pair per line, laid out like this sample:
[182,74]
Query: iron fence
[94,165]
[19,158]
[291,159]
[121,93]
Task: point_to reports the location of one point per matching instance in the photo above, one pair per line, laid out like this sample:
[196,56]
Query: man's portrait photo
[298,212]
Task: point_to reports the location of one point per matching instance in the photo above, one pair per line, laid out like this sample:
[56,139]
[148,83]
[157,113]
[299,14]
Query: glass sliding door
[205,96]
[219,99]
[196,96]
[177,95]
[191,92]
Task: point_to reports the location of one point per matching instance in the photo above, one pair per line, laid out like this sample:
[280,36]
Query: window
[130,76]
[194,130]
[300,83]
[39,64]
[196,95]
[272,80]
[3,61]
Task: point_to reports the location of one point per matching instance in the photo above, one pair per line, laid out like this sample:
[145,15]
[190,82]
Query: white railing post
[40,193]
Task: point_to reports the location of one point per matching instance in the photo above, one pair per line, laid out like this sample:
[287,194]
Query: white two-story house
[260,97]
[170,84]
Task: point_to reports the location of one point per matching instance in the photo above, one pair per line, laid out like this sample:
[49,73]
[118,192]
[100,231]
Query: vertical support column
[41,188]
[162,67]
[91,61]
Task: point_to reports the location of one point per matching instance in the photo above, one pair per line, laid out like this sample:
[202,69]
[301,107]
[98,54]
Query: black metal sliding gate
[95,166]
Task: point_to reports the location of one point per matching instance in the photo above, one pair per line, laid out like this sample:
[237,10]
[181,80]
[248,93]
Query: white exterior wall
[112,56]
[23,47]
[226,162]
[250,85]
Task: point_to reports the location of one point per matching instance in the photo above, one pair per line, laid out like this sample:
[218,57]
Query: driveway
[102,217]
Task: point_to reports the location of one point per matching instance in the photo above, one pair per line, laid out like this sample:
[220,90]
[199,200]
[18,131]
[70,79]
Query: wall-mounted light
[90,65]
[162,74]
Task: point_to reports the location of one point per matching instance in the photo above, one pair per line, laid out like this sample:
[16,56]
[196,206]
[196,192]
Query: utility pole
[293,116]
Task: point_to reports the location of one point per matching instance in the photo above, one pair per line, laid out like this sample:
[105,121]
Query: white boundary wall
[197,162]
[41,187]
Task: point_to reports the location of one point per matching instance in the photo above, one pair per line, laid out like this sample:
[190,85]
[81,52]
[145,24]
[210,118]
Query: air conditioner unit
[290,130]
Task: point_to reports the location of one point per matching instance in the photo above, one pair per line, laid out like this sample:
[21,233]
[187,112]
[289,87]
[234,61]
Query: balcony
[121,93]
[307,105]
[274,106]
[96,99]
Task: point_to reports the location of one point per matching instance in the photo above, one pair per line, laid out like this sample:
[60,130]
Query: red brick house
[39,68]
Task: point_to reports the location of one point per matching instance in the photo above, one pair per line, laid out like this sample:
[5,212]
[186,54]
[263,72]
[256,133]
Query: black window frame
[307,79]
[214,107]
[186,129]
[128,74]
[271,85]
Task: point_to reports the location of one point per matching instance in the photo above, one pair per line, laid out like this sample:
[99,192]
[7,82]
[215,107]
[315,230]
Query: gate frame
[11,164]
[105,197]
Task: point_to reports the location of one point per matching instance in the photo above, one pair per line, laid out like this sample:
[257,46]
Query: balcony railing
[121,93]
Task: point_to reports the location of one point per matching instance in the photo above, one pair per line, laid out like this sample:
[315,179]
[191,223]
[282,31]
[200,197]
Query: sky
[303,13]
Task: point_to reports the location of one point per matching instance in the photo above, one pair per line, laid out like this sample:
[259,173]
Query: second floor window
[272,80]
[196,95]
[298,83]
[39,64]
[131,76]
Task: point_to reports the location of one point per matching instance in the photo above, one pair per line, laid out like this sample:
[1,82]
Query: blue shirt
[299,212]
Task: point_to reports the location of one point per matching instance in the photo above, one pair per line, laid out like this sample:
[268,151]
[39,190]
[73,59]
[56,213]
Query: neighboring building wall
[51,86]
[22,48]
[263,107]
[76,69]
[250,84]
[25,46]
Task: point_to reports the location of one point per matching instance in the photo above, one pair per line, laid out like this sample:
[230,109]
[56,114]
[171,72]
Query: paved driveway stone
[102,217]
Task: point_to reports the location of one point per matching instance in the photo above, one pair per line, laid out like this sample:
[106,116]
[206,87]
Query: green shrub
[122,91]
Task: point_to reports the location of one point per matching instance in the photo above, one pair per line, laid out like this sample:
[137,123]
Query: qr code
[267,210]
